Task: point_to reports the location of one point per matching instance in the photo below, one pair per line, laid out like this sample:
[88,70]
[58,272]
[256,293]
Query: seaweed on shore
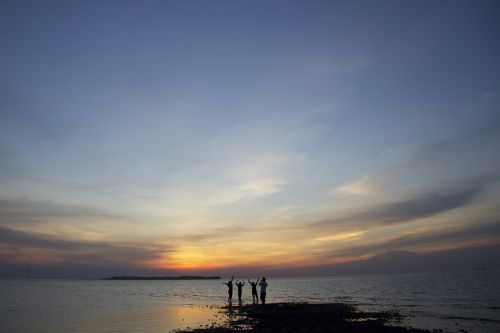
[304,317]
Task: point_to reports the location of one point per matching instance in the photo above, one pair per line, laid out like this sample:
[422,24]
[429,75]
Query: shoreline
[304,317]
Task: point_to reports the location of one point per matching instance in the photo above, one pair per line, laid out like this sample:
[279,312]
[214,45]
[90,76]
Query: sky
[246,136]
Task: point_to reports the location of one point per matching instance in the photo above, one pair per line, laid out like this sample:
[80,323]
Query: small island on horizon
[183,277]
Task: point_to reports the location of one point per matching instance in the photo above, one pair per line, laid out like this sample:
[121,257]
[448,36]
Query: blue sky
[173,127]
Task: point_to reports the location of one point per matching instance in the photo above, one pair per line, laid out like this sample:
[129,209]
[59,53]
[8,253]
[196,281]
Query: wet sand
[304,317]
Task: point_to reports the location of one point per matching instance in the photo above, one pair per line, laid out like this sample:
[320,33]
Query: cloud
[19,246]
[439,178]
[232,180]
[12,210]
[465,258]
[421,223]
[472,155]
[365,185]
[448,218]
[401,211]
[260,175]
[481,234]
[57,232]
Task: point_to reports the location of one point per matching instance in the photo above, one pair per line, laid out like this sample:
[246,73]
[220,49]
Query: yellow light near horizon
[224,255]
[189,258]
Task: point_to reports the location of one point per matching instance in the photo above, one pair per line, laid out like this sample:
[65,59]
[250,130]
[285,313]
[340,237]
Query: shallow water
[452,301]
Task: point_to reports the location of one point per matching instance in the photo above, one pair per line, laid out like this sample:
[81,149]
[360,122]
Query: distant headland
[183,277]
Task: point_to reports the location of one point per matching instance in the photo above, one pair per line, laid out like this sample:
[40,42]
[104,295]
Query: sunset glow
[160,138]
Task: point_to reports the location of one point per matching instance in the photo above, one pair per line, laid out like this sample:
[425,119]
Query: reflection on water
[193,316]
[113,320]
[469,299]
[97,306]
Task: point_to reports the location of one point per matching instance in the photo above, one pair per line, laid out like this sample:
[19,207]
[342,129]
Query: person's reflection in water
[255,296]
[230,312]
[229,289]
[263,290]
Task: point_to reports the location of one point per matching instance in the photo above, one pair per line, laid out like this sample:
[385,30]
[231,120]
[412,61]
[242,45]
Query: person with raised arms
[229,289]
[255,296]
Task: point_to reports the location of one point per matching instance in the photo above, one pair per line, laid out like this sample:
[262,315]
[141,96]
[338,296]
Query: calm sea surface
[451,301]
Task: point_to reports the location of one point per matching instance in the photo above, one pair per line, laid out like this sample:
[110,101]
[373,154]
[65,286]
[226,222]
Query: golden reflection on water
[152,320]
[192,316]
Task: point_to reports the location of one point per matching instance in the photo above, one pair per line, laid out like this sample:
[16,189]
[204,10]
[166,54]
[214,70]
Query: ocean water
[450,301]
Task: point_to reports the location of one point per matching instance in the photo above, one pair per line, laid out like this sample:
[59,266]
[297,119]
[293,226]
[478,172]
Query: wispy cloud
[461,236]
[365,185]
[401,211]
[260,175]
[12,210]
[472,155]
[18,246]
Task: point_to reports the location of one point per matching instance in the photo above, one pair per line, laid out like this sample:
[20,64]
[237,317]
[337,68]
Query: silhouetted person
[240,288]
[229,289]
[263,289]
[255,296]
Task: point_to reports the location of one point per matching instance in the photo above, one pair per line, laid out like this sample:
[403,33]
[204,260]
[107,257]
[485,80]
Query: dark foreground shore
[304,317]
